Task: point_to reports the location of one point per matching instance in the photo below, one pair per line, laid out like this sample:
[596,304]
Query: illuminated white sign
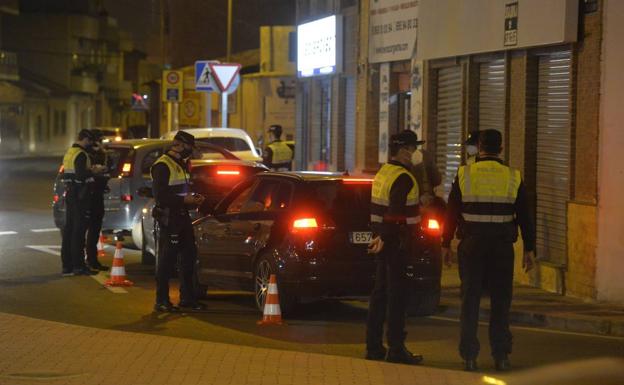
[318,47]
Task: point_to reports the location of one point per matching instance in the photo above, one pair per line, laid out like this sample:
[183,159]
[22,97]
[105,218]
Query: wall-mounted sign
[319,48]
[393,29]
[511,24]
[172,86]
[384,111]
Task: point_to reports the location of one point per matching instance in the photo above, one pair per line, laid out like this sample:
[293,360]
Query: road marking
[99,278]
[539,330]
[48,230]
[8,232]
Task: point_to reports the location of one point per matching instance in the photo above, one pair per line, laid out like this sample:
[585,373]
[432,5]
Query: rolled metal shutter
[492,95]
[350,112]
[449,124]
[553,155]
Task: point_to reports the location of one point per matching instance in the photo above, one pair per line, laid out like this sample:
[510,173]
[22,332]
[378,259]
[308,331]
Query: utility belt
[507,232]
[166,216]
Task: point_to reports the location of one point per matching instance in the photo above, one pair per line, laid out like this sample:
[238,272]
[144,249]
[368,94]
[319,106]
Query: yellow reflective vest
[178,175]
[281,153]
[489,190]
[69,164]
[380,196]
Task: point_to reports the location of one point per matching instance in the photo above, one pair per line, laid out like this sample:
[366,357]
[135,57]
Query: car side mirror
[145,192]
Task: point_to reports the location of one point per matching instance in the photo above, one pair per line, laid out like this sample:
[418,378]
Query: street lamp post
[229,32]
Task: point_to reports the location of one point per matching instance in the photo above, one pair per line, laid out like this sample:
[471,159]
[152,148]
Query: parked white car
[234,140]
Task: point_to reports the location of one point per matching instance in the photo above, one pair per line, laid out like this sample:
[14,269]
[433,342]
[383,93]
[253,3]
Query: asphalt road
[31,285]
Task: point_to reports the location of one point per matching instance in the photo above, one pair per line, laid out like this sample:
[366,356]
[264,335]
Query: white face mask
[417,157]
[471,150]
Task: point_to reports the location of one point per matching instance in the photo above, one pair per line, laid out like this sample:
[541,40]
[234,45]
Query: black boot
[377,354]
[502,364]
[403,356]
[470,365]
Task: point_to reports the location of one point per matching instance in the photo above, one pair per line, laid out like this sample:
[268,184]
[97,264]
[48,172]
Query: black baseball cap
[473,138]
[490,140]
[185,138]
[276,129]
[405,138]
[85,133]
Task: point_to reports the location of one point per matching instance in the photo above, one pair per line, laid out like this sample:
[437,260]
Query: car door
[213,233]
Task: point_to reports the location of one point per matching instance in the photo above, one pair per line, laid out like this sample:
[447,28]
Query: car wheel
[424,302]
[262,273]
[147,258]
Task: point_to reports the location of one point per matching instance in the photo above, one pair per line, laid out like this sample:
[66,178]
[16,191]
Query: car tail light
[432,226]
[357,181]
[55,198]
[61,169]
[126,197]
[118,138]
[304,224]
[224,172]
[126,169]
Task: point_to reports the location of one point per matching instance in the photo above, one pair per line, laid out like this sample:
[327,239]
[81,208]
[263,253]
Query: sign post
[172,90]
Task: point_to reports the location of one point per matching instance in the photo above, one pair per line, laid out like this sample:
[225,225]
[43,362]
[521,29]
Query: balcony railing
[8,65]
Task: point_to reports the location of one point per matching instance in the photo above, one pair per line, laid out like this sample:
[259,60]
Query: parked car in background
[213,178]
[312,231]
[234,140]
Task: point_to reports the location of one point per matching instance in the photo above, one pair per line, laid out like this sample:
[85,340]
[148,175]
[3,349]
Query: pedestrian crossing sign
[204,81]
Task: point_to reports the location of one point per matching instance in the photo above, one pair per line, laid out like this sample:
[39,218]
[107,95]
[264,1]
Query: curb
[558,321]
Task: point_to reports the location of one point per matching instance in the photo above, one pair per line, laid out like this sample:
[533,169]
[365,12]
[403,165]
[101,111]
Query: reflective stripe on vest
[178,177]
[69,163]
[489,190]
[281,153]
[380,196]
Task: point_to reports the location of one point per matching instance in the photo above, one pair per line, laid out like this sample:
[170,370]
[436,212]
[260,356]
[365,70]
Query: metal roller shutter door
[449,124]
[350,124]
[492,95]
[553,155]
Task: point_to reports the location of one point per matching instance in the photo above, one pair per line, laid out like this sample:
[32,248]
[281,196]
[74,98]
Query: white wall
[610,252]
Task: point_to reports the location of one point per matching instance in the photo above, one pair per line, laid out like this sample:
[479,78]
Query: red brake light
[126,197]
[433,224]
[304,224]
[228,172]
[55,198]
[126,169]
[357,181]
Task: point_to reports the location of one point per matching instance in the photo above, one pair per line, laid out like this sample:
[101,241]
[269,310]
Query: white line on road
[8,232]
[539,330]
[99,278]
[48,230]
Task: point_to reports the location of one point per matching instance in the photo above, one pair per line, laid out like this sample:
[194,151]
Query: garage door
[448,124]
[492,95]
[553,155]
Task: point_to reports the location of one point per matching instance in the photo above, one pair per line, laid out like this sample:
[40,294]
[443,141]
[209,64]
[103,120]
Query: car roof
[315,176]
[138,143]
[208,132]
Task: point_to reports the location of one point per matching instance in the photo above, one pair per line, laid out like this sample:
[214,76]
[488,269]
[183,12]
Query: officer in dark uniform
[99,187]
[78,176]
[278,155]
[394,214]
[488,201]
[173,199]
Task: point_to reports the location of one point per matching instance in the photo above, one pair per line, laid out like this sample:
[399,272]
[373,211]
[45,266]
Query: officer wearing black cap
[173,198]
[488,202]
[98,156]
[277,156]
[78,176]
[394,214]
[471,146]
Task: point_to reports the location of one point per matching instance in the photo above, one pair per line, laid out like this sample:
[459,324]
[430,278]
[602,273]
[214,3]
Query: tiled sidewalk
[42,352]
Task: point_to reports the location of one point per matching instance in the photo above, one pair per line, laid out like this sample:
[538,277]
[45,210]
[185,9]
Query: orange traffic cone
[272,314]
[118,271]
[100,246]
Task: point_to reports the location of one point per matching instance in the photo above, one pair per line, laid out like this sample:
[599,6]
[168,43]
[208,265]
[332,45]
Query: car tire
[263,269]
[423,302]
[147,258]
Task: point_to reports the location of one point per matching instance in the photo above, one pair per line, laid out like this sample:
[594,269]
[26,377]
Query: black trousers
[94,228]
[173,240]
[479,258]
[77,216]
[388,301]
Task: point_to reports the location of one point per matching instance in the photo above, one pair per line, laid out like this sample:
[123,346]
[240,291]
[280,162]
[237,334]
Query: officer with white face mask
[472,149]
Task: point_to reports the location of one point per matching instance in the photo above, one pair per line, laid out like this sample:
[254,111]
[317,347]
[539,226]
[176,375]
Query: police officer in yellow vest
[78,176]
[277,156]
[471,146]
[394,215]
[488,201]
[173,198]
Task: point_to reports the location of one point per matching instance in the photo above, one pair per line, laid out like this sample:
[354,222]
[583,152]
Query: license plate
[360,237]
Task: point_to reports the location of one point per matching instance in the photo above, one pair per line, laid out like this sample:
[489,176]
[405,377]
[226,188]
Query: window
[236,205]
[149,159]
[229,143]
[262,197]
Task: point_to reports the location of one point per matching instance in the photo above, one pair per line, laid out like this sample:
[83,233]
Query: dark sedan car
[312,231]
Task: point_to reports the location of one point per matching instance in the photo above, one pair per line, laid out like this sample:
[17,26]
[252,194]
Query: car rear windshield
[117,156]
[229,143]
[347,204]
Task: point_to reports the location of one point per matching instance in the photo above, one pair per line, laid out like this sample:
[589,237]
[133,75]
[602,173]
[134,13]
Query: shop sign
[393,30]
[511,24]
[384,110]
[319,47]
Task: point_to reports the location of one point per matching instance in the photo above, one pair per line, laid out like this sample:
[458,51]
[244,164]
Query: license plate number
[360,237]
